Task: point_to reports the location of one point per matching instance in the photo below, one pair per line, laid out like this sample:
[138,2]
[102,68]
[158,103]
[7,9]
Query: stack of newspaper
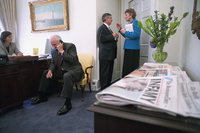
[156,87]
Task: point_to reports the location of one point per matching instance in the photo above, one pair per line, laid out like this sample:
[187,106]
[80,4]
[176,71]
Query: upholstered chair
[86,61]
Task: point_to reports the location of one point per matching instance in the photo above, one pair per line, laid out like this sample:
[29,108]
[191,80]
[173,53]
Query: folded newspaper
[160,90]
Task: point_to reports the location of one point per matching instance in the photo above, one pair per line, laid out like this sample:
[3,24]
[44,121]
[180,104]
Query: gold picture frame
[49,15]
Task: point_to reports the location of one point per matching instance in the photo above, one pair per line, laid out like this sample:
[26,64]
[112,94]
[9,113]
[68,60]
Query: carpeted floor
[43,118]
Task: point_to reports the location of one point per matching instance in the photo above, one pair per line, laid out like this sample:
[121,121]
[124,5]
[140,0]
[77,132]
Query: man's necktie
[59,66]
[110,30]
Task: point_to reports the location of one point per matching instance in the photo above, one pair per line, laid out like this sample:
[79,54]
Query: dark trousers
[68,78]
[131,61]
[106,71]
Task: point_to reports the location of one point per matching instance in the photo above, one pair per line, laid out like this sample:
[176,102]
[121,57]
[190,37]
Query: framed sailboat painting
[49,15]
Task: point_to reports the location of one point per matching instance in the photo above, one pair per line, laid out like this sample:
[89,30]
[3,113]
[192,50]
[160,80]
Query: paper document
[156,87]
[129,27]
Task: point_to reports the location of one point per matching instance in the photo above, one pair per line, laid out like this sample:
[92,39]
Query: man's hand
[115,35]
[49,74]
[60,48]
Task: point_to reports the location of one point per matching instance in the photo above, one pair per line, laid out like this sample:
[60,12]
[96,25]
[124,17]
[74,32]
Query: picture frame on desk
[49,15]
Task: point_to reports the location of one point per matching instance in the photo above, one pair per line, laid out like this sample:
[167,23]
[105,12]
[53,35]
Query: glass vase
[159,55]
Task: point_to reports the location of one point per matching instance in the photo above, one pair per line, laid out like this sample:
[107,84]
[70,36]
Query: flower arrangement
[197,14]
[160,28]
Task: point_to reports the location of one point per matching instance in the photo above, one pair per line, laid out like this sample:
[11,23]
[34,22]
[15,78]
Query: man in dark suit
[107,50]
[64,65]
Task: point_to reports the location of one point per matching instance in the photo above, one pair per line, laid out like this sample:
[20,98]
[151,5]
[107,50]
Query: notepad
[129,27]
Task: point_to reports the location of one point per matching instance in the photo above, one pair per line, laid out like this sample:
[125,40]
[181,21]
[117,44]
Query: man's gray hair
[57,37]
[105,15]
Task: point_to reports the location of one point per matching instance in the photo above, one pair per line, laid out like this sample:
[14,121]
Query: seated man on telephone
[64,65]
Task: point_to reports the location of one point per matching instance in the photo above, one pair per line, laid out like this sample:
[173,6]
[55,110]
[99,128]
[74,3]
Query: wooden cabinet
[20,81]
[129,119]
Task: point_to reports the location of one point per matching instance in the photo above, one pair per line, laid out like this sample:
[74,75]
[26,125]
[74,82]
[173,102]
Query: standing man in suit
[64,65]
[107,50]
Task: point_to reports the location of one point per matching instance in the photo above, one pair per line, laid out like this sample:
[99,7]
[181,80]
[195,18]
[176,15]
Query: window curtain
[8,16]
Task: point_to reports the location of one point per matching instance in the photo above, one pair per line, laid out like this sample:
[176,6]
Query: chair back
[86,60]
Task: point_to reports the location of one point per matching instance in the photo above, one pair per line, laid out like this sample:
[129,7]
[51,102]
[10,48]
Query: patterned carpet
[43,118]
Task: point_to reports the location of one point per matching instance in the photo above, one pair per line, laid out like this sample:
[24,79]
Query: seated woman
[7,47]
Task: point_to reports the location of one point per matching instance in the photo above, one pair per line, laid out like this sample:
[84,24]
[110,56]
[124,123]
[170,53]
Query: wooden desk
[19,81]
[129,119]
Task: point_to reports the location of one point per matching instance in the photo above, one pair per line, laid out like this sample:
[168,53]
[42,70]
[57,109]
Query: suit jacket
[107,44]
[12,49]
[133,40]
[70,62]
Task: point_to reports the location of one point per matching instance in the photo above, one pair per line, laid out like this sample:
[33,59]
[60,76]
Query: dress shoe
[64,109]
[39,100]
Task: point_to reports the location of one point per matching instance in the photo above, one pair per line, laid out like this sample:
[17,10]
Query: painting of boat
[49,15]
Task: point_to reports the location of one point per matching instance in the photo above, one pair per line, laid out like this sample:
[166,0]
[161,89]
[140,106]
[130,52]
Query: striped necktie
[110,30]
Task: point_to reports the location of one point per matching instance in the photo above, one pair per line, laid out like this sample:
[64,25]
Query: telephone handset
[61,41]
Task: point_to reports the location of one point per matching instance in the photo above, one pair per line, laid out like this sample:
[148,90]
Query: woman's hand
[20,54]
[123,31]
[119,26]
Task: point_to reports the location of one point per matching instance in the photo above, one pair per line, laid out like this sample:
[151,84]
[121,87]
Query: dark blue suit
[107,54]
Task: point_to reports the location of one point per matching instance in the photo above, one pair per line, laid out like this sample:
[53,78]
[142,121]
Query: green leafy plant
[197,14]
[160,27]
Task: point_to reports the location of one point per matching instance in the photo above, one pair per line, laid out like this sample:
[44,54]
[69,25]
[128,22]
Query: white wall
[163,6]
[112,7]
[85,18]
[190,55]
[183,47]
[82,33]
[84,21]
[173,45]
[124,6]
